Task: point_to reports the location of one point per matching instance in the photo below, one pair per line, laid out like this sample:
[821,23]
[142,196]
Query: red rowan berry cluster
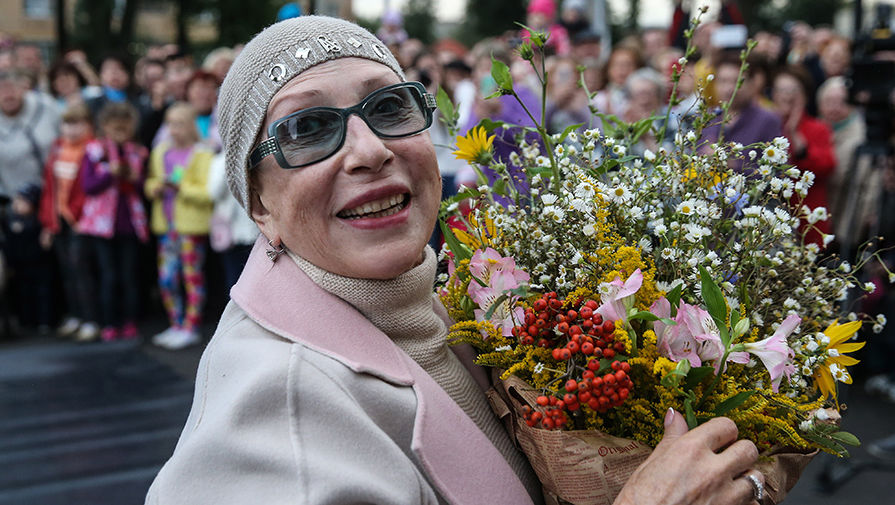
[579,336]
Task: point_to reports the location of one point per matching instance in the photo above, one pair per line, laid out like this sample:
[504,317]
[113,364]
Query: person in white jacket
[233,233]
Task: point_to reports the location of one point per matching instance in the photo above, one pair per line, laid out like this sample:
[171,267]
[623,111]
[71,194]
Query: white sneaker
[88,332]
[181,339]
[159,339]
[68,327]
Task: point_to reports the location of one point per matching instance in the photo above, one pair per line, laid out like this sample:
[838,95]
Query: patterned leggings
[181,259]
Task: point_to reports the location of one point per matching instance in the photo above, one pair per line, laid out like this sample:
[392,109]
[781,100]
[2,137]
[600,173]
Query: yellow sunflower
[475,147]
[833,368]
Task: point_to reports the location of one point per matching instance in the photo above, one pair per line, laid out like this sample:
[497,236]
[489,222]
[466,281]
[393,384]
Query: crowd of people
[99,168]
[99,163]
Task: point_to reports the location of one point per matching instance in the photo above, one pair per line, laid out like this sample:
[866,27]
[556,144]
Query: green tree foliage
[419,21]
[103,26]
[772,15]
[238,22]
[485,18]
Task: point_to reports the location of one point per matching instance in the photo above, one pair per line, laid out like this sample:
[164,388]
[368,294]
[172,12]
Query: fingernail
[669,416]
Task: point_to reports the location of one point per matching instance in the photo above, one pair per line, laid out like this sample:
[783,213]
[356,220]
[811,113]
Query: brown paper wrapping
[584,467]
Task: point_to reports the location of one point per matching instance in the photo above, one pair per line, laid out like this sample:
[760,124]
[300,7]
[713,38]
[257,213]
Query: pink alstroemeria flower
[695,337]
[500,275]
[618,296]
[773,351]
[489,262]
[675,341]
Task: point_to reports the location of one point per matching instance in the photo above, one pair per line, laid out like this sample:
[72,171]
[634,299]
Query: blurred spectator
[232,233]
[587,50]
[801,45]
[542,17]
[218,62]
[202,95]
[460,87]
[810,140]
[392,33]
[835,56]
[60,210]
[770,45]
[115,77]
[645,92]
[408,51]
[567,104]
[573,17]
[79,59]
[653,42]
[749,122]
[68,85]
[622,63]
[30,61]
[152,100]
[178,70]
[854,189]
[181,210]
[29,123]
[30,264]
[113,216]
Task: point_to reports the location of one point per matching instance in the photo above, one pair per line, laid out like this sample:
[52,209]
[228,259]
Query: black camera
[871,79]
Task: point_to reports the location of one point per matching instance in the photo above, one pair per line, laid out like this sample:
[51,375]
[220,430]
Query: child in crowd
[181,210]
[30,264]
[113,216]
[60,210]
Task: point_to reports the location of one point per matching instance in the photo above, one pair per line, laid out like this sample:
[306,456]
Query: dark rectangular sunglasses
[311,135]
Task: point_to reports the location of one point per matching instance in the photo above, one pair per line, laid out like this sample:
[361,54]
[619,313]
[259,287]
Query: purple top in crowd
[95,181]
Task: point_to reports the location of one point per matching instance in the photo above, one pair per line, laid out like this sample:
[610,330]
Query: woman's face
[324,211]
[66,84]
[788,95]
[621,65]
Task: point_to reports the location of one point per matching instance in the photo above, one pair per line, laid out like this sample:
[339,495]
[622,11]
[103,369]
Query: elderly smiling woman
[328,379]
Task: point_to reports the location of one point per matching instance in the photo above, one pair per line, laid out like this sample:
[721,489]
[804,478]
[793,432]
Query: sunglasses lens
[396,112]
[308,137]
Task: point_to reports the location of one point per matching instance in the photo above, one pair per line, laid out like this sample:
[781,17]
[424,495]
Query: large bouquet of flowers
[605,288]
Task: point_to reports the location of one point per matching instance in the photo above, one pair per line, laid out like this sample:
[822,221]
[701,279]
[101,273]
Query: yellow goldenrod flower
[833,368]
[475,147]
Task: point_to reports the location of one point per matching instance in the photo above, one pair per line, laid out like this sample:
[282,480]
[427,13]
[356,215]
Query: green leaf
[697,375]
[833,447]
[569,129]
[446,106]
[689,414]
[490,125]
[644,315]
[640,128]
[714,302]
[501,74]
[461,252]
[499,187]
[846,438]
[674,298]
[732,402]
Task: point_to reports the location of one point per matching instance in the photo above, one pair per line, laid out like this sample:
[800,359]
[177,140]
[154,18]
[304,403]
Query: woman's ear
[262,216]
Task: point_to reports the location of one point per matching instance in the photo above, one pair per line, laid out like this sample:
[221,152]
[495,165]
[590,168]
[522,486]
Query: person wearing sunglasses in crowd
[328,379]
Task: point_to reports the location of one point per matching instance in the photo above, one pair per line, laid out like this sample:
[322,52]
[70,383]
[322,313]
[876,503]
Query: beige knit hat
[272,58]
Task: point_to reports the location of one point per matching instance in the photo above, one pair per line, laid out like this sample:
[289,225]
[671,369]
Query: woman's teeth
[378,208]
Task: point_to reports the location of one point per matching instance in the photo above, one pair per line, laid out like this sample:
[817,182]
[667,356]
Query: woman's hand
[706,465]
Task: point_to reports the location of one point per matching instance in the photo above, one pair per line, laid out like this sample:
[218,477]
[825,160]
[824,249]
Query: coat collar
[458,458]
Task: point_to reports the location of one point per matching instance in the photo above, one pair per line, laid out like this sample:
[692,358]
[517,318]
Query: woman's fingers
[717,433]
[745,491]
[738,458]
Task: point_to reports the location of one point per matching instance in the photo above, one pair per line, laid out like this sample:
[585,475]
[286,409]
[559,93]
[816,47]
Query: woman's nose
[363,149]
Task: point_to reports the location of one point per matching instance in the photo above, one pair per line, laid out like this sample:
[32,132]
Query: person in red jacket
[810,144]
[60,209]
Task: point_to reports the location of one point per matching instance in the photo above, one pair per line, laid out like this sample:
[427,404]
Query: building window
[39,9]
